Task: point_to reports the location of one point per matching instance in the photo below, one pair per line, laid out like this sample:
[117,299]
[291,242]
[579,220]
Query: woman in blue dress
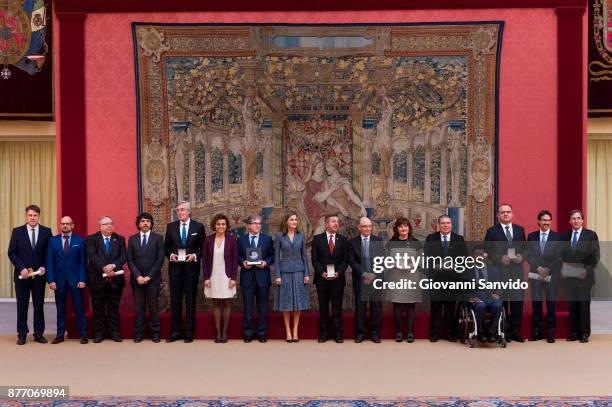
[291,274]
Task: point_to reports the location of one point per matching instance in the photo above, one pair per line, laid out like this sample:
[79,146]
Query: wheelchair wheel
[470,342]
[502,343]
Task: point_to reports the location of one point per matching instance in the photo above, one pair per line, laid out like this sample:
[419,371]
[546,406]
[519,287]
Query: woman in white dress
[219,267]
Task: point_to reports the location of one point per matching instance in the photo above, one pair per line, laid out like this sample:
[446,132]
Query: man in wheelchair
[483,300]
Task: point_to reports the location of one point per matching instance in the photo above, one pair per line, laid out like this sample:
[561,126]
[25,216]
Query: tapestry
[376,120]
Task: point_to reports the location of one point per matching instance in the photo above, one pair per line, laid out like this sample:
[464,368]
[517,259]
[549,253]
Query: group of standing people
[69,263]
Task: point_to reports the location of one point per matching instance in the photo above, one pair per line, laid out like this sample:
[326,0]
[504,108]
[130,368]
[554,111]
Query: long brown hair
[401,220]
[283,225]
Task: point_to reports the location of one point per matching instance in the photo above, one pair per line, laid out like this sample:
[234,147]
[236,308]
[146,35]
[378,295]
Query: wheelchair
[467,328]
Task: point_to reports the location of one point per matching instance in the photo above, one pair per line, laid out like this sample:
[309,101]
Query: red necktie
[66,245]
[331,244]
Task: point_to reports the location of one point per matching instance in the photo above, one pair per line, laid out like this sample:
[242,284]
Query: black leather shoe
[481,338]
[84,340]
[339,339]
[410,337]
[398,337]
[433,338]
[116,338]
[138,339]
[40,339]
[248,340]
[173,338]
[359,339]
[550,339]
[21,340]
[584,339]
[536,337]
[155,339]
[263,339]
[322,338]
[57,339]
[452,339]
[517,338]
[375,339]
[188,339]
[572,338]
[98,339]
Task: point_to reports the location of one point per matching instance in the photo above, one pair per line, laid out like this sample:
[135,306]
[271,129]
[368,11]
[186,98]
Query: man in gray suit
[146,259]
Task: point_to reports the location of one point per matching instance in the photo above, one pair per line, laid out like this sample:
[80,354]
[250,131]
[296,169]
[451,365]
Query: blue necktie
[575,241]
[542,242]
[253,241]
[144,241]
[184,235]
[106,244]
[445,244]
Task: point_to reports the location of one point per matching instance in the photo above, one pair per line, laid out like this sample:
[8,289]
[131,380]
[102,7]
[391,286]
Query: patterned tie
[508,235]
[366,253]
[331,244]
[66,245]
[575,241]
[184,234]
[106,245]
[542,242]
[144,241]
[445,244]
[33,239]
[253,241]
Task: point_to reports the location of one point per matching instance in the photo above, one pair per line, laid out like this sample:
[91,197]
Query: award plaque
[572,270]
[253,256]
[331,271]
[512,253]
[182,255]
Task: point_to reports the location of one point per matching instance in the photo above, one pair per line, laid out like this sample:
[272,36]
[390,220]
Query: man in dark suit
[329,260]
[255,280]
[27,250]
[106,256]
[66,273]
[505,243]
[544,261]
[362,249]
[580,247]
[443,244]
[145,258]
[184,235]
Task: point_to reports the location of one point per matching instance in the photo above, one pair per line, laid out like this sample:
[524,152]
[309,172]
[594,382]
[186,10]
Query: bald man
[66,273]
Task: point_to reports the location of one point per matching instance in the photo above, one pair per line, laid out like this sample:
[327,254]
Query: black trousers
[539,292]
[262,296]
[361,305]
[105,303]
[330,292]
[146,296]
[579,304]
[183,283]
[23,288]
[443,312]
[514,314]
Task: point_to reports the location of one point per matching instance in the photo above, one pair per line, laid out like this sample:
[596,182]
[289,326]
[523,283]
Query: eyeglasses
[254,223]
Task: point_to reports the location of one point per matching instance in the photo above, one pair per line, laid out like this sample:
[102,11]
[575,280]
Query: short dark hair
[253,218]
[401,220]
[34,208]
[444,216]
[544,212]
[503,204]
[217,217]
[575,211]
[144,215]
[283,225]
[329,216]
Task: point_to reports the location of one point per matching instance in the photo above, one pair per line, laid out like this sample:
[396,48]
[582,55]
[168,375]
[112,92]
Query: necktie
[106,245]
[445,244]
[542,242]
[66,245]
[144,241]
[508,235]
[331,244]
[33,239]
[184,234]
[253,241]
[575,241]
[366,248]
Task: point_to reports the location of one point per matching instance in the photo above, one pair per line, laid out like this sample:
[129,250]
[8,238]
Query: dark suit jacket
[256,275]
[22,255]
[97,259]
[483,293]
[550,259]
[195,239]
[355,259]
[321,257]
[587,253]
[147,262]
[434,248]
[70,269]
[497,246]
[230,255]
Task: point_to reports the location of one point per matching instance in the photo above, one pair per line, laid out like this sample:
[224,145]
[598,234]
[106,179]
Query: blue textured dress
[291,265]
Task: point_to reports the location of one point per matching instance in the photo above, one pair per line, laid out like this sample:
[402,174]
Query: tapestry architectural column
[427,182]
[443,174]
[409,197]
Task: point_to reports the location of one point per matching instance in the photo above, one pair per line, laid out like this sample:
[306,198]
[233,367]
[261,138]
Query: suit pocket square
[75,245]
[194,234]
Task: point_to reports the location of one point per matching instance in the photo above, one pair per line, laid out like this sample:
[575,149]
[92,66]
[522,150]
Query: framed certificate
[331,271]
[253,256]
[182,255]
